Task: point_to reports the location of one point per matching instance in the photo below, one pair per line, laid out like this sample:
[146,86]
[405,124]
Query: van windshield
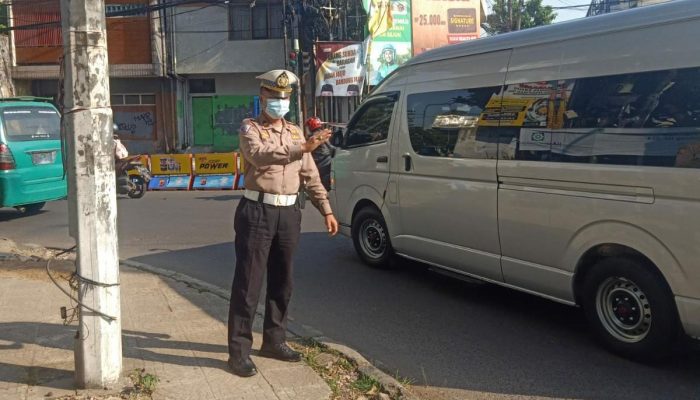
[31,123]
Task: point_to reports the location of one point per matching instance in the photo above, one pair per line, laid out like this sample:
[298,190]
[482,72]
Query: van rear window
[31,123]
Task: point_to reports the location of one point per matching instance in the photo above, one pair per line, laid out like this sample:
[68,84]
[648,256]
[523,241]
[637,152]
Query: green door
[202,121]
[228,112]
[217,119]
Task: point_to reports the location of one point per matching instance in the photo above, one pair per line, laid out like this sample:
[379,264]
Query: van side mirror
[338,138]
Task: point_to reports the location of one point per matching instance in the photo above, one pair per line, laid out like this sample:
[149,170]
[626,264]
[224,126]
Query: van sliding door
[447,176]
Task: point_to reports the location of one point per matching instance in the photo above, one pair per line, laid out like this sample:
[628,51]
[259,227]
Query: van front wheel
[631,309]
[371,238]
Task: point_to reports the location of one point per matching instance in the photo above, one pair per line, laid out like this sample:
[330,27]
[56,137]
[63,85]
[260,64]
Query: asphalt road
[460,340]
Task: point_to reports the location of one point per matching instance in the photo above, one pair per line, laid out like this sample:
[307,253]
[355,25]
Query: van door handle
[408,162]
[383,159]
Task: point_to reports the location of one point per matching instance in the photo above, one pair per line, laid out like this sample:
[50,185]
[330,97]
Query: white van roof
[672,11]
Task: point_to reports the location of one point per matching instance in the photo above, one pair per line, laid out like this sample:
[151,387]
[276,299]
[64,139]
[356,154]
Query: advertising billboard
[340,69]
[391,45]
[437,23]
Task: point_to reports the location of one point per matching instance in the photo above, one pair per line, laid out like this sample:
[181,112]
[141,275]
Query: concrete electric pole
[92,191]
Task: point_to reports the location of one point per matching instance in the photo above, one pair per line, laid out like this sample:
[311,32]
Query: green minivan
[31,160]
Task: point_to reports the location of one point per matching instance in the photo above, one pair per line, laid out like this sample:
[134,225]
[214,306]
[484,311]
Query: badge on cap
[282,81]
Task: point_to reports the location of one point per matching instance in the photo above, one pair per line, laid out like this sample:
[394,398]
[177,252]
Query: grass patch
[339,372]
[366,384]
[403,380]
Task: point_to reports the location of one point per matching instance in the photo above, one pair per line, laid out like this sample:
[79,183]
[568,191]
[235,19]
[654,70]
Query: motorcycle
[132,176]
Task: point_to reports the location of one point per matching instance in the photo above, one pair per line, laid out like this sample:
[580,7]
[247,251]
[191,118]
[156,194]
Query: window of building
[371,124]
[649,119]
[202,85]
[148,99]
[262,21]
[128,10]
[133,99]
[447,124]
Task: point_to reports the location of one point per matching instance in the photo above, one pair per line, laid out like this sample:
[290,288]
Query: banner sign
[171,164]
[341,71]
[437,23]
[215,163]
[214,182]
[391,48]
[170,182]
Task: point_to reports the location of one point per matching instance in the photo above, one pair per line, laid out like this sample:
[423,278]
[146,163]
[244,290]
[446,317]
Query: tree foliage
[513,15]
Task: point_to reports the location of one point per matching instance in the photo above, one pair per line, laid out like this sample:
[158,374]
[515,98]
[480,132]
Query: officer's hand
[331,225]
[316,140]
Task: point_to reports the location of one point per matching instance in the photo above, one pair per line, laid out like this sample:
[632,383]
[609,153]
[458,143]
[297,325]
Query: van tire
[31,208]
[371,238]
[631,309]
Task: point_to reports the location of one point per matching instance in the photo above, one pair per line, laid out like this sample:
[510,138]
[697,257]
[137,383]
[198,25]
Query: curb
[395,388]
[186,279]
[391,384]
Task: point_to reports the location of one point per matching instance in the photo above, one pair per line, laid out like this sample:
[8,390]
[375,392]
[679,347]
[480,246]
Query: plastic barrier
[171,172]
[214,171]
[240,184]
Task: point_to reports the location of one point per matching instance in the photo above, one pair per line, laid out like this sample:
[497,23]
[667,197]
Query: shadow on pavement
[224,197]
[147,346]
[217,269]
[9,214]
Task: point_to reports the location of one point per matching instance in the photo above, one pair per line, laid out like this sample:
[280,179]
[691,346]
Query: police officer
[268,221]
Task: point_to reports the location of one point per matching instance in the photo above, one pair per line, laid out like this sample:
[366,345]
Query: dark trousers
[266,237]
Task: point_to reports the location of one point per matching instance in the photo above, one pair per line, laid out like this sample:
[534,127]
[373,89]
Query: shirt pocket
[267,171]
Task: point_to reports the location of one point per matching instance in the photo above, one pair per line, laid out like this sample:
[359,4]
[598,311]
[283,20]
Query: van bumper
[689,311]
[14,191]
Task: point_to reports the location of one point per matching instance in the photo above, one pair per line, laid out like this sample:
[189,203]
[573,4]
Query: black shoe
[280,352]
[242,367]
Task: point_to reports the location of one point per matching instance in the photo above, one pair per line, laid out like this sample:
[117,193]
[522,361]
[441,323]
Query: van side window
[645,119]
[524,112]
[371,125]
[448,124]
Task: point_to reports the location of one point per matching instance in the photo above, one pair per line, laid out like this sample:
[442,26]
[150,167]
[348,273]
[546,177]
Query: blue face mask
[277,108]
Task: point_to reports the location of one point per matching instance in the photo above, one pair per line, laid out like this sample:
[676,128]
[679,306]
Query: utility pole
[92,192]
[510,15]
[284,34]
[521,9]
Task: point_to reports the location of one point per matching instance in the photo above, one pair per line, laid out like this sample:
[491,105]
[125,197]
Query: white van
[561,161]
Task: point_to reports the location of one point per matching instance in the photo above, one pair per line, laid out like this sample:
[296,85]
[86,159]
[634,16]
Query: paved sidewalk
[173,331]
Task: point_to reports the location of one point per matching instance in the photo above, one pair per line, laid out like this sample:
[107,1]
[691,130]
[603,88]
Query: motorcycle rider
[134,186]
[323,155]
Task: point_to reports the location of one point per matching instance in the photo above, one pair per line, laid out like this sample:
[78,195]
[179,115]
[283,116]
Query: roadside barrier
[215,171]
[171,172]
[202,171]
